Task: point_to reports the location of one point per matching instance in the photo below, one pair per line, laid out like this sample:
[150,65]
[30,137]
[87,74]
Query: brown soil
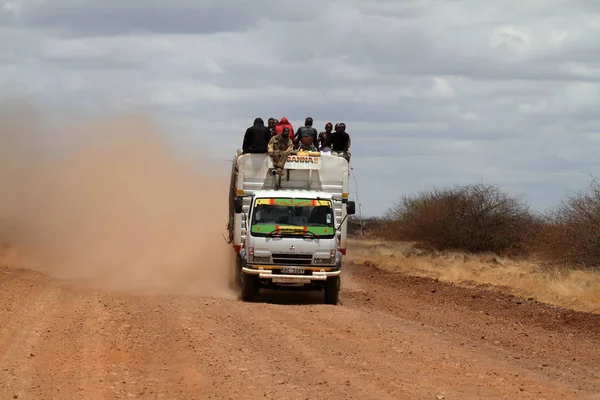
[393,337]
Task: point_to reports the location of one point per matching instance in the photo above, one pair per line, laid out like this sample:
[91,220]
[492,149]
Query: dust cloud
[112,204]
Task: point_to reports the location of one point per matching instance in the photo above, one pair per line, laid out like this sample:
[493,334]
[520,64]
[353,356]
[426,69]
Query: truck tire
[249,287]
[332,290]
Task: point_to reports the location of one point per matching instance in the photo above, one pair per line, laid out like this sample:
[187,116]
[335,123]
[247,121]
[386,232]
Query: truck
[289,229]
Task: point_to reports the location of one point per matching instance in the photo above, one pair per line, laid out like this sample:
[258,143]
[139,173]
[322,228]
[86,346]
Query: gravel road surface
[393,337]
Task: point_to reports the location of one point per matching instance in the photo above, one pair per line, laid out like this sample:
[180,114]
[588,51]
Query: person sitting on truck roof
[256,139]
[279,148]
[307,129]
[306,141]
[271,125]
[306,145]
[324,142]
[340,142]
[284,123]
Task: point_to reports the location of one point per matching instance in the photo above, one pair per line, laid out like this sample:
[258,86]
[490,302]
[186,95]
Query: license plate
[292,270]
[284,279]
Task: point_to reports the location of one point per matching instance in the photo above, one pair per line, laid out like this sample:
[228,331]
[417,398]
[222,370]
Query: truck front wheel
[332,290]
[249,286]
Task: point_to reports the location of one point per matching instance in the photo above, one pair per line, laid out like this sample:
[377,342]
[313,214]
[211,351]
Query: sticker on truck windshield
[291,229]
[328,218]
[292,202]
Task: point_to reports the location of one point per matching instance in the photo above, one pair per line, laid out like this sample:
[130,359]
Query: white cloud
[11,6]
[513,41]
[432,92]
[441,88]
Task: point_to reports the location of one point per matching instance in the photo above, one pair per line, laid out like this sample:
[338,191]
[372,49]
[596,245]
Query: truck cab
[290,230]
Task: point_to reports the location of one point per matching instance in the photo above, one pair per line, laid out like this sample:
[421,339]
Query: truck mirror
[351,208]
[238,205]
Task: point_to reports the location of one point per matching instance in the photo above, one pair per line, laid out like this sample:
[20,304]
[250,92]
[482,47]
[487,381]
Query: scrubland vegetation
[480,234]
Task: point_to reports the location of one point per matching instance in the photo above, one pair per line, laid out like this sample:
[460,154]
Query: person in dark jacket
[324,143]
[307,130]
[256,138]
[340,142]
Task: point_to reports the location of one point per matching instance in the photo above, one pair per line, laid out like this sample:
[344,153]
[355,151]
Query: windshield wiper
[313,235]
[290,230]
[275,231]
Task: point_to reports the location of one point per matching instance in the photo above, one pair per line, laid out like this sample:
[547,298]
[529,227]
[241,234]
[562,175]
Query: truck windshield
[293,217]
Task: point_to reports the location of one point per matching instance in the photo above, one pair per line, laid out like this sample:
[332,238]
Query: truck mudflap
[290,278]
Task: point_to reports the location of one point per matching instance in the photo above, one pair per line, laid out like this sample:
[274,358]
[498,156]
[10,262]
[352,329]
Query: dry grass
[575,289]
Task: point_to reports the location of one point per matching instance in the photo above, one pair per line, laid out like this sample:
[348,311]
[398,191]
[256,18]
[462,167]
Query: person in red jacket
[284,123]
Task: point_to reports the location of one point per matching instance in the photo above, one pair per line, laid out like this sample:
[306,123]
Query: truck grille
[292,259]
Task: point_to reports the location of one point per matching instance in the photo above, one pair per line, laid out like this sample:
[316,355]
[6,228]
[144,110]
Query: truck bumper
[289,278]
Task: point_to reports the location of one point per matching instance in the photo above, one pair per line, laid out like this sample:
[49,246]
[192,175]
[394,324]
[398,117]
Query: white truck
[289,230]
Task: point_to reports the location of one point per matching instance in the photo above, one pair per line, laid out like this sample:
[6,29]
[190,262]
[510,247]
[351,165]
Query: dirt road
[393,337]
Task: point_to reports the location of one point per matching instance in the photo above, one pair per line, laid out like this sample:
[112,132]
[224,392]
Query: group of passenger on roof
[279,137]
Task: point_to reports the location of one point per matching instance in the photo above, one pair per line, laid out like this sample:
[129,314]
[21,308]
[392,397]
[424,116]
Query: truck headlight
[330,260]
[251,254]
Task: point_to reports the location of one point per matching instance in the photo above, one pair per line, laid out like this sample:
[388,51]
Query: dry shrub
[365,227]
[355,226]
[571,235]
[475,218]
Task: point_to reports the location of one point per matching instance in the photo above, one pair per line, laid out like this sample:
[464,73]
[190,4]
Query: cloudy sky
[433,92]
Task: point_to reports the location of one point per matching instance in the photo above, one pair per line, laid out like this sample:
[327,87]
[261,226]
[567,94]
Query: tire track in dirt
[64,362]
[147,355]
[26,297]
[278,356]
